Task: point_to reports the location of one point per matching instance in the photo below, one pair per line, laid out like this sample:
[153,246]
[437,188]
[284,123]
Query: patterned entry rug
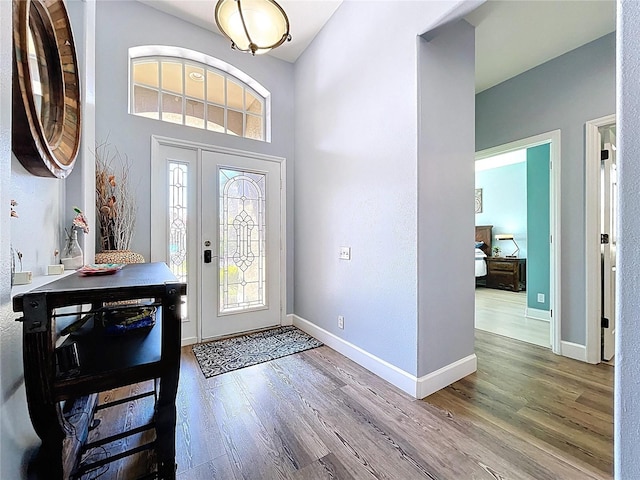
[230,354]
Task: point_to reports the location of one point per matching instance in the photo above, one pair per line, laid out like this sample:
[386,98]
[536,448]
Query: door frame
[158,212]
[592,234]
[553,139]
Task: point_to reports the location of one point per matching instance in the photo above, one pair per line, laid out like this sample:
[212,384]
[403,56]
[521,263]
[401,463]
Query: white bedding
[481,264]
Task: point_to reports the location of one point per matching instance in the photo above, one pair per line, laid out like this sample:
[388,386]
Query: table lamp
[509,236]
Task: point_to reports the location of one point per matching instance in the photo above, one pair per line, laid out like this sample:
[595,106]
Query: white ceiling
[511,36]
[515,36]
[306,17]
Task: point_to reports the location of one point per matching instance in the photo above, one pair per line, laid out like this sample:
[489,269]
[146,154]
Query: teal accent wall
[538,229]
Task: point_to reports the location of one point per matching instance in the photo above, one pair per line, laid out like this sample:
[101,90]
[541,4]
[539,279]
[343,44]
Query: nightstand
[506,273]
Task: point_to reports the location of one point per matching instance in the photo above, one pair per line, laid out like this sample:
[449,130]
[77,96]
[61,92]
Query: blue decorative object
[117,322]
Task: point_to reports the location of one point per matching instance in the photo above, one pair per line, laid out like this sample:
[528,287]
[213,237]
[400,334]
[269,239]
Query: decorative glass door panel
[178,209]
[242,236]
[178,220]
[240,244]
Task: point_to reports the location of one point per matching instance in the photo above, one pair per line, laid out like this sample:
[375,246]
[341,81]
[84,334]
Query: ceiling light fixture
[255,26]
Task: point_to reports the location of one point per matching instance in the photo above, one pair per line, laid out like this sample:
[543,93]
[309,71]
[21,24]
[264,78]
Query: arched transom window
[188,92]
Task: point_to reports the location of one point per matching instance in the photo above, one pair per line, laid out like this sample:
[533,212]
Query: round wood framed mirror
[46,88]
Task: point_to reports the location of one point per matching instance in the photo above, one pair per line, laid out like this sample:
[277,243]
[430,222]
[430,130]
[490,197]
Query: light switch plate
[345,253]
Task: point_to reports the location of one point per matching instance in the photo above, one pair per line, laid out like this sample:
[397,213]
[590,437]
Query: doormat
[222,356]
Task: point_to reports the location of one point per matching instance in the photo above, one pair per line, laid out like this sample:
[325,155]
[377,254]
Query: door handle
[207,256]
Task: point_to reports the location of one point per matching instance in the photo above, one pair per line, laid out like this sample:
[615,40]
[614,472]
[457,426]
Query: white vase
[72,257]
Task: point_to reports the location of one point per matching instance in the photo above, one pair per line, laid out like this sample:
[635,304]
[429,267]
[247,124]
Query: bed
[482,248]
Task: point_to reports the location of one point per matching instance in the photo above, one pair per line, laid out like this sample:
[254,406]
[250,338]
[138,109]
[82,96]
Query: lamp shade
[255,26]
[504,236]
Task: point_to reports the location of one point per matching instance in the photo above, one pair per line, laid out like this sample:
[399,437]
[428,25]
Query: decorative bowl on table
[118,321]
[100,269]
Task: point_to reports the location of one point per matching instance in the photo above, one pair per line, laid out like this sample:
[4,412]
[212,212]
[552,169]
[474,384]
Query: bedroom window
[195,94]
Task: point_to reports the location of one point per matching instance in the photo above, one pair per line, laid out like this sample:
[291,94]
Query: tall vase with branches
[115,201]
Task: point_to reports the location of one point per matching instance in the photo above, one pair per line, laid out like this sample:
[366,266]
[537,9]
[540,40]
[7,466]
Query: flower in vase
[79,223]
[72,256]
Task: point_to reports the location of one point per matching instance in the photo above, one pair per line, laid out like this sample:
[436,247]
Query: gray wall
[627,381]
[356,167]
[561,94]
[124,24]
[446,176]
[80,185]
[15,427]
[39,206]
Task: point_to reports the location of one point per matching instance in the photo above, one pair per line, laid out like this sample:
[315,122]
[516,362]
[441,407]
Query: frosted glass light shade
[504,236]
[255,26]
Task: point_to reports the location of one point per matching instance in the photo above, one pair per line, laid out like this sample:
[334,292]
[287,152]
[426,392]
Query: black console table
[100,362]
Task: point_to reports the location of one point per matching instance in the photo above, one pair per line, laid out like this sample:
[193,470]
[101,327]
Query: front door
[217,223]
[240,244]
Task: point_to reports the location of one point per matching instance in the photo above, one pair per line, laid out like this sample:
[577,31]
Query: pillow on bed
[480,253]
[479,244]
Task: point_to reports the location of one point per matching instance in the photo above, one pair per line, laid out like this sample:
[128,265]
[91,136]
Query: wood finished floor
[503,313]
[526,414]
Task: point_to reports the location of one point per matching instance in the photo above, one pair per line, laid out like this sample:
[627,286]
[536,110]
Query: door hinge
[604,238]
[551,313]
[604,154]
[604,322]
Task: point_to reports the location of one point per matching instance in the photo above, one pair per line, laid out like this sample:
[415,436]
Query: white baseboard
[188,341]
[573,350]
[287,320]
[537,314]
[416,387]
[446,375]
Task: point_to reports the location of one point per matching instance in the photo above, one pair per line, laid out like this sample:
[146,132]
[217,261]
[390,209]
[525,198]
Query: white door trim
[553,138]
[592,235]
[158,228]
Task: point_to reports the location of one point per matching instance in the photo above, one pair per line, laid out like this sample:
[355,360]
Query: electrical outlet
[345,253]
[341,322]
[541,298]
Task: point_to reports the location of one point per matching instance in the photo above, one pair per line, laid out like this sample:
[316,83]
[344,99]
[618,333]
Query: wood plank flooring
[526,414]
[551,403]
[503,312]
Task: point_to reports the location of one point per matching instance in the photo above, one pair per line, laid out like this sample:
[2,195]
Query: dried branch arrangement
[115,200]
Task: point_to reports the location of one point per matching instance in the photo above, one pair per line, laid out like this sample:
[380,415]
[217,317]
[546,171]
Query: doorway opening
[519,294]
[601,238]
